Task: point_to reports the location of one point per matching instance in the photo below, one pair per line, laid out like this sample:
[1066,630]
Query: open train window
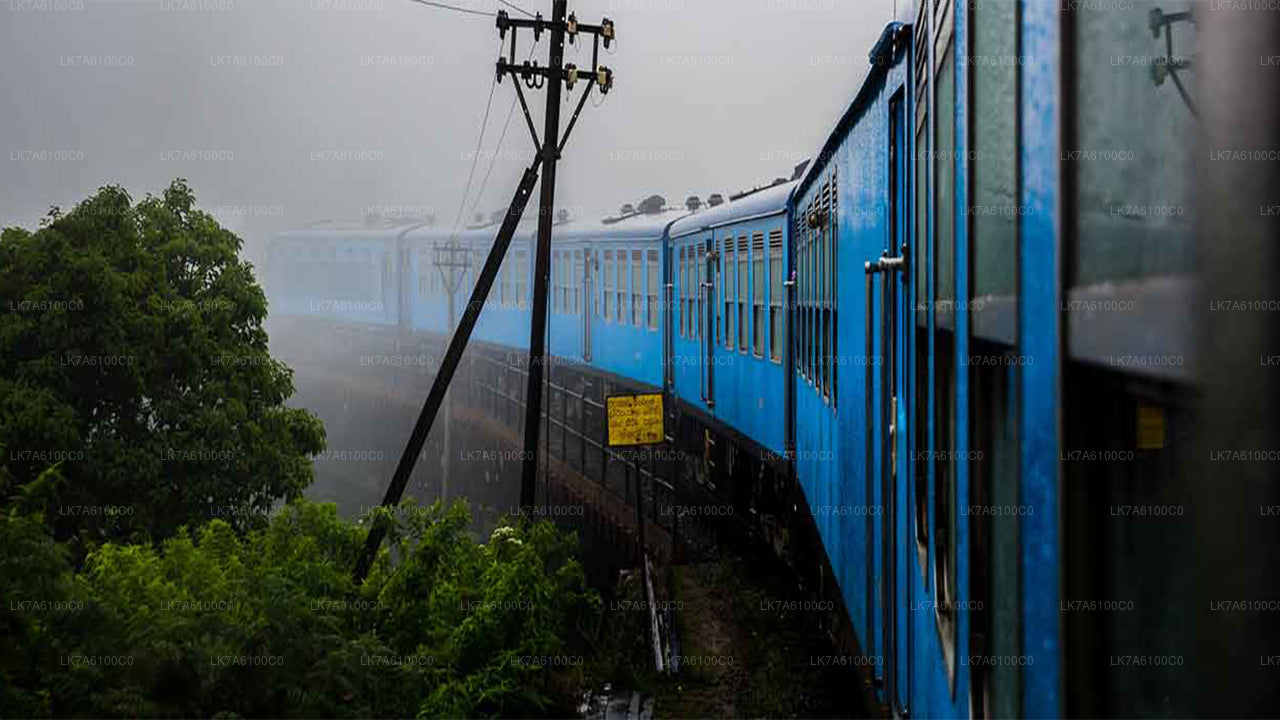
[757,294]
[730,290]
[776,290]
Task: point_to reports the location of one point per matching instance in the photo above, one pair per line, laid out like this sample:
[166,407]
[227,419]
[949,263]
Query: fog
[281,113]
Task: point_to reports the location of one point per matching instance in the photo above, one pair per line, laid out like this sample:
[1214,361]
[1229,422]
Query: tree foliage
[269,623]
[132,350]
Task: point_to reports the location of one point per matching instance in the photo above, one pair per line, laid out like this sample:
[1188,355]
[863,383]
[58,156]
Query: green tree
[269,623]
[132,350]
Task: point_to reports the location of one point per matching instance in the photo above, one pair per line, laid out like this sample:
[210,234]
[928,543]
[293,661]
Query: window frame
[730,291]
[606,287]
[522,277]
[743,270]
[653,277]
[637,283]
[777,292]
[758,294]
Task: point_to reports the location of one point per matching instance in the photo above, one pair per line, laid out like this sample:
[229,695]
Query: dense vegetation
[132,349]
[171,610]
[269,624]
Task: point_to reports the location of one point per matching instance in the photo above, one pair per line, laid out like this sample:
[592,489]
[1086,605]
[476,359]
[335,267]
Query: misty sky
[283,112]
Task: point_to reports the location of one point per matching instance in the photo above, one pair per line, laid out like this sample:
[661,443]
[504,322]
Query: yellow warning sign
[634,419]
[1150,426]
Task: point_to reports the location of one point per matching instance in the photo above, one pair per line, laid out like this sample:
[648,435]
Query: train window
[744,292]
[944,362]
[832,305]
[637,288]
[711,297]
[802,299]
[622,286]
[506,282]
[920,347]
[608,285]
[1132,162]
[729,291]
[680,292]
[557,300]
[776,295]
[695,288]
[700,260]
[994,105]
[522,277]
[578,276]
[652,265]
[565,281]
[757,294]
[829,290]
[686,292]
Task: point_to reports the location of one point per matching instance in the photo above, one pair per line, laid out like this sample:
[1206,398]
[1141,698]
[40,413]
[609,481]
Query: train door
[706,317]
[887,311]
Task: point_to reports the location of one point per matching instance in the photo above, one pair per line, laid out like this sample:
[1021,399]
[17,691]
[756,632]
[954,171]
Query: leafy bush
[435,633]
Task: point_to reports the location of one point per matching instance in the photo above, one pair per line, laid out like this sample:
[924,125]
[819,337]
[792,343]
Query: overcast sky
[283,112]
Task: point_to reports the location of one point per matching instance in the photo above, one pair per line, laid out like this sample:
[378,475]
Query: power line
[497,149]
[462,204]
[513,6]
[446,6]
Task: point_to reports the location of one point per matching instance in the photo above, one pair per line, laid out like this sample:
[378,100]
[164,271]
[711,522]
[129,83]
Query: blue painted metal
[747,389]
[1039,421]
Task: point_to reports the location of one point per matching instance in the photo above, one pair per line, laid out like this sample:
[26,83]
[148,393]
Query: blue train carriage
[340,275]
[1020,258]
[727,315]
[848,220]
[607,300]
[504,319]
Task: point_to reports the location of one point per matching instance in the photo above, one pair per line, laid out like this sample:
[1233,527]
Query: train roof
[881,58]
[769,201]
[638,226]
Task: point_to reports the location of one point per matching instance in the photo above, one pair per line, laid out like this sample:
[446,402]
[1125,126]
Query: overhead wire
[513,6]
[447,6]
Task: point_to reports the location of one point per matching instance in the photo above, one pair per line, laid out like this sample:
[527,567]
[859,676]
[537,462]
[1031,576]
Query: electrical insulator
[570,75]
[572,27]
[604,78]
[606,31]
[503,21]
[537,27]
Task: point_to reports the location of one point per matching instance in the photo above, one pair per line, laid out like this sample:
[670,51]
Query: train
[960,328]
